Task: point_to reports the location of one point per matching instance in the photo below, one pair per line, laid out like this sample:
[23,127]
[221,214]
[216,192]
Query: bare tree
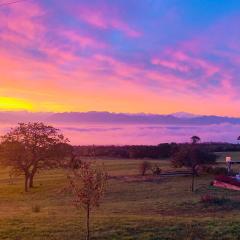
[30,147]
[88,186]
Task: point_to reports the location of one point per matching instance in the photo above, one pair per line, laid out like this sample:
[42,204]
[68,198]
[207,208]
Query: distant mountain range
[184,115]
[23,116]
[114,118]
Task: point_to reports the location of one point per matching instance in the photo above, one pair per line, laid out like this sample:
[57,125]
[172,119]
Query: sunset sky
[153,56]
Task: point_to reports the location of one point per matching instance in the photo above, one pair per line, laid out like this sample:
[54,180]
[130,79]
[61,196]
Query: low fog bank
[137,134]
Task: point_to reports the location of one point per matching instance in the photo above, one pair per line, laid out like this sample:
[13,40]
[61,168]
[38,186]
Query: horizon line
[111,112]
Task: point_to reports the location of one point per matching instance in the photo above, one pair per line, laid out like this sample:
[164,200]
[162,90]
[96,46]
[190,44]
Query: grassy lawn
[163,209]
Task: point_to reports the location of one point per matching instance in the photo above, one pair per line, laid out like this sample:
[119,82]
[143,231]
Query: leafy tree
[87,184]
[195,139]
[30,147]
[192,156]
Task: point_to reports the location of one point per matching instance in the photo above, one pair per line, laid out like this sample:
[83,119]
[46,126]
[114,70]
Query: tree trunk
[192,182]
[31,176]
[26,182]
[31,180]
[88,222]
[193,179]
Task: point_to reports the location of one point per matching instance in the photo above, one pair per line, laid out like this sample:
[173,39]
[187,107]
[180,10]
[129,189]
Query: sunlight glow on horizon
[7,103]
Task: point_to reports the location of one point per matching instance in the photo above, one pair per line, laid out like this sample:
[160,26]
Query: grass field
[163,209]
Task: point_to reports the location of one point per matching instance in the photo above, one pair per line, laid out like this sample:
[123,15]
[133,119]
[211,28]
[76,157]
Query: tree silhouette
[195,139]
[30,147]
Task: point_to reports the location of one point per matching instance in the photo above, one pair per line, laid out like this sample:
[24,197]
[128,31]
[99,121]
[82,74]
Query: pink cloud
[83,40]
[181,61]
[170,64]
[21,23]
[106,18]
[120,68]
[196,62]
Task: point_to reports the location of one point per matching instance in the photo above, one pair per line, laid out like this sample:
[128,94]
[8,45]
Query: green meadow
[132,208]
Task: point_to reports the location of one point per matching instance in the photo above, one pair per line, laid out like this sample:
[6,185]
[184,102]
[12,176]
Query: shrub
[36,209]
[207,169]
[144,166]
[219,171]
[156,170]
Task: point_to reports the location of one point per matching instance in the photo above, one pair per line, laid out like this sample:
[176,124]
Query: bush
[213,170]
[207,169]
[156,170]
[144,166]
[219,171]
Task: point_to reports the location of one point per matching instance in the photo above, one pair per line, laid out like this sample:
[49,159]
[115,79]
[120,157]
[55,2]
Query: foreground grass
[164,209]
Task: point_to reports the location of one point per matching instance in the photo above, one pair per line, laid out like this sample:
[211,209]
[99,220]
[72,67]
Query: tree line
[160,151]
[129,151]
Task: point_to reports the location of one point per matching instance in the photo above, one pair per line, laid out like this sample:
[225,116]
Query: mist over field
[104,128]
[147,134]
[131,134]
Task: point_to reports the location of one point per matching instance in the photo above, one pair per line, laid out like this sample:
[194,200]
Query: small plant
[144,167]
[36,208]
[87,184]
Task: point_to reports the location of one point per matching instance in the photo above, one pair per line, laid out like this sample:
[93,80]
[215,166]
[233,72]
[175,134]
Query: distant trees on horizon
[161,151]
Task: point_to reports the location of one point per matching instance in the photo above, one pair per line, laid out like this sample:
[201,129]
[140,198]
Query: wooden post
[228,162]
